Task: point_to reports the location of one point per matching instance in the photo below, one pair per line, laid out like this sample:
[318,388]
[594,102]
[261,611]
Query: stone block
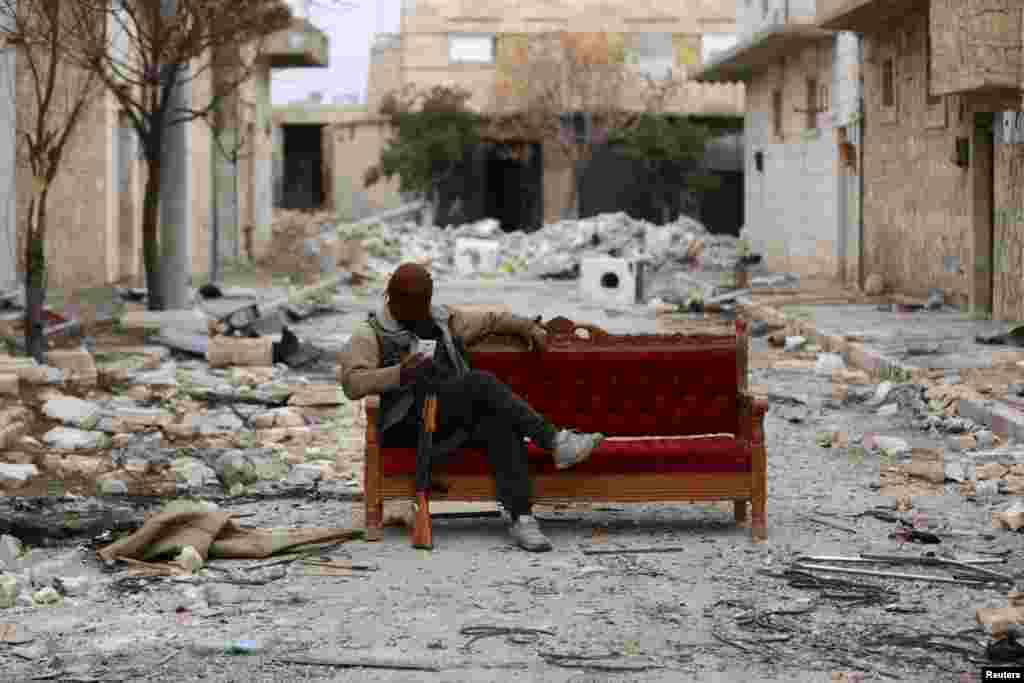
[476,256]
[318,395]
[10,385]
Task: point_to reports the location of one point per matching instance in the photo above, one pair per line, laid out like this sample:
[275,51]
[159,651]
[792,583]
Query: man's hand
[538,338]
[413,367]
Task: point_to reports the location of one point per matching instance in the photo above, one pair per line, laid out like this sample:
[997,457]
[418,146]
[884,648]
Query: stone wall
[917,204]
[975,43]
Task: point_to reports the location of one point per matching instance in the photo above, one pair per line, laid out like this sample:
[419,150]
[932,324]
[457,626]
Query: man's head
[409,292]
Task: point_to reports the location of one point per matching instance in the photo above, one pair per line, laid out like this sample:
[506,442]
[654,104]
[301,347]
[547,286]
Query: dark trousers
[497,420]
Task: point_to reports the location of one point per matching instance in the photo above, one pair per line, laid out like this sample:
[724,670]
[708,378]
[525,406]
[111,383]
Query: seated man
[380,359]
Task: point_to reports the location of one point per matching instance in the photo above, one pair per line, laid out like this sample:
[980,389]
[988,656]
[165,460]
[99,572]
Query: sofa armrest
[752,409]
[371,404]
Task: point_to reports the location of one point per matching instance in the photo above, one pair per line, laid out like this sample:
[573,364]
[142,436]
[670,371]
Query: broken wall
[357,145]
[918,203]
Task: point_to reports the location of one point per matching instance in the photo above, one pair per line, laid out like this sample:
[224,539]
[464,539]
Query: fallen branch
[634,551]
[360,663]
[889,575]
[829,523]
[924,561]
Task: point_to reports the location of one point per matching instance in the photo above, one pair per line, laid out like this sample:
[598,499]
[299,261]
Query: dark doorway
[303,167]
[514,189]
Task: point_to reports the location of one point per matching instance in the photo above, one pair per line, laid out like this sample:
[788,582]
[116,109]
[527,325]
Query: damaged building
[942,92]
[524,183]
[802,189]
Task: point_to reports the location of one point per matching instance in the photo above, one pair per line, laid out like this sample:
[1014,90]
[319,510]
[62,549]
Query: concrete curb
[1000,418]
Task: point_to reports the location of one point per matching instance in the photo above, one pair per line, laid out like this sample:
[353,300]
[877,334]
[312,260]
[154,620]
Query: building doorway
[514,188]
[303,167]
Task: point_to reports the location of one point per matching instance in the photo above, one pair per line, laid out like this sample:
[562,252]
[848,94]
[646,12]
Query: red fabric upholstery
[661,455]
[662,390]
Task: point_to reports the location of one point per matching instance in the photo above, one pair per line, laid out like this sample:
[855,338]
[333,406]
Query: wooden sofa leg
[740,509]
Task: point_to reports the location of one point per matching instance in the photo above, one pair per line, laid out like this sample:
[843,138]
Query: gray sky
[350,33]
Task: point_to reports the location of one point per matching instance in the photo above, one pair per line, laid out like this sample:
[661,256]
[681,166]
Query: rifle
[426,456]
[423,531]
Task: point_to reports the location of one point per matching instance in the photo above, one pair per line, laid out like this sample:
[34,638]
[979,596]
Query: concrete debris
[72,411]
[17,473]
[10,550]
[555,250]
[888,410]
[829,363]
[794,343]
[890,445]
[881,394]
[69,439]
[9,589]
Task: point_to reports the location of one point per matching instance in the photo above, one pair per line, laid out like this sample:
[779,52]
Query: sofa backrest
[627,385]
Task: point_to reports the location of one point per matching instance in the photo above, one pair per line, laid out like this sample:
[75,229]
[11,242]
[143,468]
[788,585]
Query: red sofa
[680,424]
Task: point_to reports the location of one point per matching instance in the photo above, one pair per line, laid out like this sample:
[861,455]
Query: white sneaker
[572,448]
[528,536]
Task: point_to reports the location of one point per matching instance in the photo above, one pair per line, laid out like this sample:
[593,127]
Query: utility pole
[8,168]
[175,214]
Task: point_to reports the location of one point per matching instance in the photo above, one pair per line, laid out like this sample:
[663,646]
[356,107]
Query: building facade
[452,42]
[95,210]
[801,137]
[943,203]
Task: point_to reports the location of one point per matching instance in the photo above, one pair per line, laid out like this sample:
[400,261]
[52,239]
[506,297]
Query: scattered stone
[247,467]
[111,487]
[220,594]
[73,586]
[279,417]
[17,474]
[985,438]
[875,285]
[984,488]
[1012,485]
[46,596]
[829,364]
[164,377]
[194,475]
[888,410]
[305,474]
[10,385]
[72,411]
[10,550]
[9,589]
[318,395]
[954,471]
[68,439]
[881,394]
[1016,389]
[215,422]
[992,470]
[890,445]
[936,300]
[794,343]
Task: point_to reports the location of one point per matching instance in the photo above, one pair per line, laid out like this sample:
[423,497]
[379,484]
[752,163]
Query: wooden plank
[632,488]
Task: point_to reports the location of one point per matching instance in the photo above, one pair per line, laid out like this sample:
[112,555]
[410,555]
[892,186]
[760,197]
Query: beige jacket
[359,368]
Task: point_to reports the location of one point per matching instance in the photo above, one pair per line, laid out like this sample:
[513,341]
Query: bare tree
[573,89]
[138,52]
[52,99]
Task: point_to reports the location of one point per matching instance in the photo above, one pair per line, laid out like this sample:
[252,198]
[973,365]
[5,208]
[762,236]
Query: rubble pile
[144,424]
[296,242]
[553,251]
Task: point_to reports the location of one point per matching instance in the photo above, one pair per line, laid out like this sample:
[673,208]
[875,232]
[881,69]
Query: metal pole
[175,216]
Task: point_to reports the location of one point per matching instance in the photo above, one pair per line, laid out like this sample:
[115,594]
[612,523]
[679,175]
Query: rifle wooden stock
[423,529]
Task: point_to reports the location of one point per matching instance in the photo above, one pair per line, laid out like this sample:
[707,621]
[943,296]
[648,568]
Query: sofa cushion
[643,385]
[648,455]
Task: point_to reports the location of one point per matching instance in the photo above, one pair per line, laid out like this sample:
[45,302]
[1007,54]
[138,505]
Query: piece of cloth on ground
[214,535]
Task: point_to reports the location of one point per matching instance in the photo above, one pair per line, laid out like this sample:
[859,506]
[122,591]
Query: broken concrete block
[229,351]
[10,385]
[954,471]
[985,439]
[829,363]
[279,417]
[991,470]
[926,464]
[1014,485]
[476,255]
[183,320]
[890,445]
[318,395]
[68,439]
[888,410]
[73,586]
[794,343]
[111,487]
[15,474]
[881,393]
[72,411]
[77,364]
